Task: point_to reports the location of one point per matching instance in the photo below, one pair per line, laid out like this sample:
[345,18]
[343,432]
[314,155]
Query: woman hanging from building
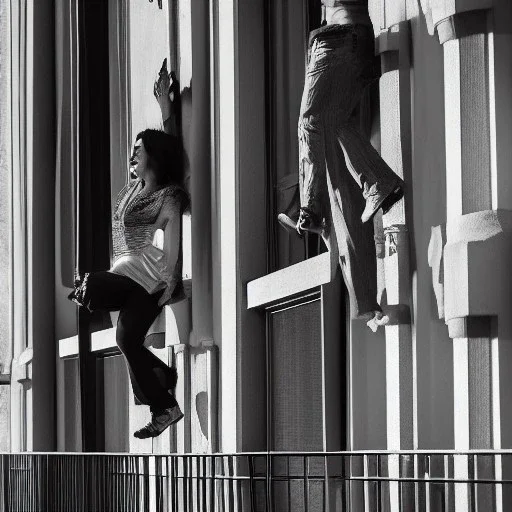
[343,181]
[146,273]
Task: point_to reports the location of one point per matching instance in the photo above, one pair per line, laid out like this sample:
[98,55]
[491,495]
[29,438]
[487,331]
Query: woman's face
[139,160]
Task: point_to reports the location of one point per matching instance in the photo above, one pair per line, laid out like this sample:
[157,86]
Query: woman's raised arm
[166,90]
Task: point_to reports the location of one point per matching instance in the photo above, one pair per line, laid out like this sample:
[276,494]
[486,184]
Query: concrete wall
[434,359]
[5,218]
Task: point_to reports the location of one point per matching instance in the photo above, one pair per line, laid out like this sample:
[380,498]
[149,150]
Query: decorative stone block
[436,263]
[476,258]
[437,10]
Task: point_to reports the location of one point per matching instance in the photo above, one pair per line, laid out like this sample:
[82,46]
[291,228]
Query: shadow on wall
[203,392]
[202,412]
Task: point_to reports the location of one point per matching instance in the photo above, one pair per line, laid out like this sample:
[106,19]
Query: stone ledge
[470,327]
[173,324]
[290,281]
[388,41]
[470,257]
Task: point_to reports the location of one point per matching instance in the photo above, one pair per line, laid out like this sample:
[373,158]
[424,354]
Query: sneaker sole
[290,226]
[287,223]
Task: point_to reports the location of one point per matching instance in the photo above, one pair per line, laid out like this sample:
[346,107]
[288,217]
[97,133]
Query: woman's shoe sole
[287,223]
[291,226]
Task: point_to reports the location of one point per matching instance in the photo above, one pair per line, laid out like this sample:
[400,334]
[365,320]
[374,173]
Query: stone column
[477,291]
[395,102]
[200,170]
[241,224]
[201,192]
[182,355]
[465,42]
[33,173]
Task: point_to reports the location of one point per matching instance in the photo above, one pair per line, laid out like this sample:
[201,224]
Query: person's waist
[338,31]
[137,253]
[345,3]
[348,16]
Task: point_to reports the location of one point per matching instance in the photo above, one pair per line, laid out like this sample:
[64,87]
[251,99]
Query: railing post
[250,462]
[5,483]
[269,482]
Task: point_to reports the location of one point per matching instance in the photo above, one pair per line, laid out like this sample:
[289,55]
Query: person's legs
[340,67]
[354,71]
[355,240]
[151,378]
[379,185]
[149,375]
[363,161]
[102,291]
[110,292]
[316,98]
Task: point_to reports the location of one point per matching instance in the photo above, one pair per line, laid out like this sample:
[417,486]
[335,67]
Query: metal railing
[275,481]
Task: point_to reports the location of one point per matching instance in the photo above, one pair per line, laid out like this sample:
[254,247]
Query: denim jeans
[335,159]
[150,377]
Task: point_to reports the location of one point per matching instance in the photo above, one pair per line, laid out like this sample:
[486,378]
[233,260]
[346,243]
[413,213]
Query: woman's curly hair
[166,156]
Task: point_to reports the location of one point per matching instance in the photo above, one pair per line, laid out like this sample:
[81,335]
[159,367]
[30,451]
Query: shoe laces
[369,191]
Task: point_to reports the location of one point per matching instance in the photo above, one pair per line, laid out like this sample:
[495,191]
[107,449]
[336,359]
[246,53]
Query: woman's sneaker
[305,220]
[160,420]
[379,319]
[377,198]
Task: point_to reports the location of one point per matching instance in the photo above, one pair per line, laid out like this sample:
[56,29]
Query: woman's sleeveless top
[155,265]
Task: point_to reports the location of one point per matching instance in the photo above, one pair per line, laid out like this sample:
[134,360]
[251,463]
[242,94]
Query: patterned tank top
[136,219]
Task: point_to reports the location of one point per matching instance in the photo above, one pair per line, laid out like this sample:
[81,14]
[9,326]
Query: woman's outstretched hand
[162,86]
[167,91]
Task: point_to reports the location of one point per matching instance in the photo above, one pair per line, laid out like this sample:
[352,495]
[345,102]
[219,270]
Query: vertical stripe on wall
[228,153]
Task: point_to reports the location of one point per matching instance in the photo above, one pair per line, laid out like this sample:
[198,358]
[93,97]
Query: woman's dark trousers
[150,377]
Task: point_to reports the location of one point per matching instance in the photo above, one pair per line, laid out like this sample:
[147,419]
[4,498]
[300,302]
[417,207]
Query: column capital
[462,24]
[469,327]
[437,11]
[477,258]
[399,314]
[388,41]
[182,347]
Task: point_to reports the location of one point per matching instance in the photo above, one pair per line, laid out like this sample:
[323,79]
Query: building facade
[267,356]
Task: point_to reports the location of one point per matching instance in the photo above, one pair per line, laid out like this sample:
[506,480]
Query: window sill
[290,281]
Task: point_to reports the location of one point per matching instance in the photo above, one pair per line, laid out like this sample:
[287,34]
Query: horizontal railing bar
[340,478]
[188,477]
[301,478]
[357,453]
[424,480]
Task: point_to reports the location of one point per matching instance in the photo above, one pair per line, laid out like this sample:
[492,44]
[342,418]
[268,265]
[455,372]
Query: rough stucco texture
[5,220]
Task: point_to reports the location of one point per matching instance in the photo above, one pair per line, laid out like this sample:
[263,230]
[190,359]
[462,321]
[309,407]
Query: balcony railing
[275,481]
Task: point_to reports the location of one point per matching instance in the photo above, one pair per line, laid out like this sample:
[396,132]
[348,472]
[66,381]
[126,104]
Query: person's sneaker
[302,224]
[287,222]
[378,320]
[377,198]
[159,422]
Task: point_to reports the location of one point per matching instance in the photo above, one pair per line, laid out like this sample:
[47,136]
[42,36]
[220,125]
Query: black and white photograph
[255,255]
